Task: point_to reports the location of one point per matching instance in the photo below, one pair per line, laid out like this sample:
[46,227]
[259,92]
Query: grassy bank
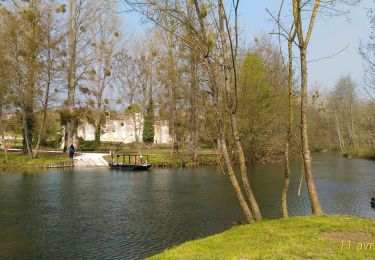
[162,157]
[326,237]
[17,160]
[361,153]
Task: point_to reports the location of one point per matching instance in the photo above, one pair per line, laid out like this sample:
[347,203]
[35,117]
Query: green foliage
[52,134]
[107,72]
[132,109]
[262,104]
[29,15]
[61,9]
[148,124]
[292,238]
[65,116]
[76,115]
[87,145]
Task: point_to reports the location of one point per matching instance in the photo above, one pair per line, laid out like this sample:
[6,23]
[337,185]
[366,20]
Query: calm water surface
[98,213]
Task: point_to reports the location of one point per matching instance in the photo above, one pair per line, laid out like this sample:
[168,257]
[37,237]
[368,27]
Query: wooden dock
[57,165]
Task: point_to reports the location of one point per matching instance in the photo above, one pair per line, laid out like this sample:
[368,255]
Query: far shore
[159,158]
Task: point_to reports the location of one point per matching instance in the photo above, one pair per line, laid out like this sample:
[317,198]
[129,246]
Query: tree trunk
[352,131]
[46,100]
[314,200]
[193,103]
[5,145]
[136,129]
[71,73]
[27,125]
[28,107]
[98,123]
[220,132]
[287,173]
[41,130]
[338,131]
[2,129]
[230,94]
[98,130]
[236,186]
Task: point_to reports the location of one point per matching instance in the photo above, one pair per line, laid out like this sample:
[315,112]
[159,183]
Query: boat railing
[134,159]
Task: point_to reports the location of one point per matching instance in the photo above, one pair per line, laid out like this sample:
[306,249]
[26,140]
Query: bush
[86,145]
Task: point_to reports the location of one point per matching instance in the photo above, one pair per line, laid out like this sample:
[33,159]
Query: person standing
[72,151]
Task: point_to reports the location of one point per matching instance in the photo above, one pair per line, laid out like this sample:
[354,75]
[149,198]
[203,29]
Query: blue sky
[329,37]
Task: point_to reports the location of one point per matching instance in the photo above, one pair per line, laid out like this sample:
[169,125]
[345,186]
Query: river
[104,214]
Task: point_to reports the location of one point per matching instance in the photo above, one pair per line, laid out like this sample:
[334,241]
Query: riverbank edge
[323,237]
[163,160]
[369,155]
[46,160]
[358,154]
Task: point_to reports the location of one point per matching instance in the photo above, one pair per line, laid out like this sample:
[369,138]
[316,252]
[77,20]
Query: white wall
[123,131]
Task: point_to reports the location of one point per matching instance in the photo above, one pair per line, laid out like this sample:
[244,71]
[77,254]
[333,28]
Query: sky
[330,36]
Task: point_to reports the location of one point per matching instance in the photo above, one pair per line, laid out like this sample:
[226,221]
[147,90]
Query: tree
[148,124]
[50,55]
[22,37]
[105,38]
[229,49]
[171,77]
[367,52]
[289,135]
[4,102]
[81,15]
[127,74]
[343,101]
[303,43]
[261,101]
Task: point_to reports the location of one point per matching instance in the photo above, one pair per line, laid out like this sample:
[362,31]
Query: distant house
[125,130]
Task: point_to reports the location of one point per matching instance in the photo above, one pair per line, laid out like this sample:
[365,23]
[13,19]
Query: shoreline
[368,155]
[58,160]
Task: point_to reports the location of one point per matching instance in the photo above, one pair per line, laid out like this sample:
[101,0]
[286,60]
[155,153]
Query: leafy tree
[148,124]
[261,103]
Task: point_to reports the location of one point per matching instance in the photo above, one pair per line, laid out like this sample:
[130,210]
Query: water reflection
[97,213]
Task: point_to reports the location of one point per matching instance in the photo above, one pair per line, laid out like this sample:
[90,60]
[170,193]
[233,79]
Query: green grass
[163,157]
[21,160]
[293,238]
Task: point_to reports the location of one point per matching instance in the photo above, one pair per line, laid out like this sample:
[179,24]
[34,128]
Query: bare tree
[81,15]
[52,40]
[127,73]
[104,45]
[303,43]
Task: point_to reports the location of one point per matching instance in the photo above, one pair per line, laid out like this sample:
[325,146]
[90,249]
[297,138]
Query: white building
[125,130]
